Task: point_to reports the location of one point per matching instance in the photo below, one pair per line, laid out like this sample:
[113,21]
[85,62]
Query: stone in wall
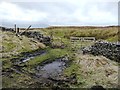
[38,36]
[7,29]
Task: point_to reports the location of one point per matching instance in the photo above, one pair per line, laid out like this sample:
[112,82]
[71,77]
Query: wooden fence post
[15,27]
[18,30]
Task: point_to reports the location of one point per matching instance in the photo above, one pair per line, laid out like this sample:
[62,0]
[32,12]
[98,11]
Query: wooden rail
[73,39]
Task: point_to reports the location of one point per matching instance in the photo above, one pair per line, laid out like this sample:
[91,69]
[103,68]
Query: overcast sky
[64,12]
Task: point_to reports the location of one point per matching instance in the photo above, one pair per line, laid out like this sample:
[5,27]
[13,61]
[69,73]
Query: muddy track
[44,81]
[46,68]
[32,75]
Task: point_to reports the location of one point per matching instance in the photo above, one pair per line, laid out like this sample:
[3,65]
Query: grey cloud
[51,7]
[62,13]
[24,24]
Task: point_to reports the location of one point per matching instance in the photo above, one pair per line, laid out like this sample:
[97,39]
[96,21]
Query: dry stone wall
[31,34]
[40,37]
[107,49]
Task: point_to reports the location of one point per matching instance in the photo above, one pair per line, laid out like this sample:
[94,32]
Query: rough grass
[105,33]
[12,44]
[17,81]
[94,70]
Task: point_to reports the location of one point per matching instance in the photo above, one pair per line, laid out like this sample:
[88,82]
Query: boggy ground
[83,71]
[20,59]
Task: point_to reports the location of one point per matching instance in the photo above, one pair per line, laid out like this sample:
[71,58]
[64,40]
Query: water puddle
[51,70]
